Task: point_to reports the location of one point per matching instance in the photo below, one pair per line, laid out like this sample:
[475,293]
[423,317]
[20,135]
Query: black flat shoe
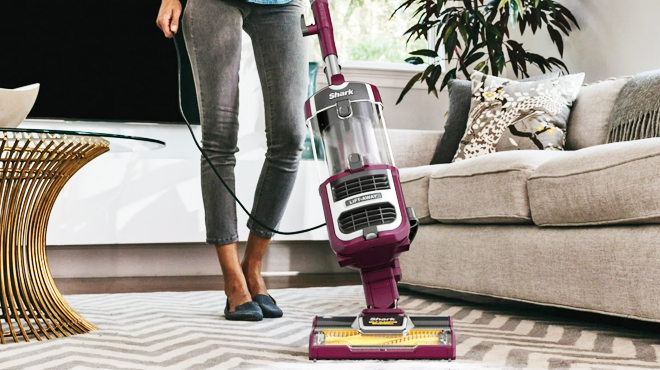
[268,306]
[249,311]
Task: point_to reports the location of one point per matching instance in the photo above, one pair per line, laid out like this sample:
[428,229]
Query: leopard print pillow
[511,115]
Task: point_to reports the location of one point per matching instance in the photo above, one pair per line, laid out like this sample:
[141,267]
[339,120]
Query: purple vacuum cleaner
[368,222]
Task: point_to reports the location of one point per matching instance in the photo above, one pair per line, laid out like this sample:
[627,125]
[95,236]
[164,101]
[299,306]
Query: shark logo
[339,94]
[383,321]
[371,321]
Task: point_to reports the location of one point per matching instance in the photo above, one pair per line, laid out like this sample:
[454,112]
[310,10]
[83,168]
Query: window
[364,31]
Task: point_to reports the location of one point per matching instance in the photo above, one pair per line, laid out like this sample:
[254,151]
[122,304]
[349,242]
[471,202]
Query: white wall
[418,110]
[617,38]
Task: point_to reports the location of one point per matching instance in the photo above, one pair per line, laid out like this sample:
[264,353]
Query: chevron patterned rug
[187,331]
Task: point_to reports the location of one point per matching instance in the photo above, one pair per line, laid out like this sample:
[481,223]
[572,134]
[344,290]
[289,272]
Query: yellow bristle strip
[354,338]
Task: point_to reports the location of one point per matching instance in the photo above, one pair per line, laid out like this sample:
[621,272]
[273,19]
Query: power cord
[208,160]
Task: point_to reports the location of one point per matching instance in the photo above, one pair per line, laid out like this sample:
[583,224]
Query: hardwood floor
[194,283]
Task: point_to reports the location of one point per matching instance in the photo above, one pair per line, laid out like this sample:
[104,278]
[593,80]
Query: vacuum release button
[355,162]
[370,232]
[344,109]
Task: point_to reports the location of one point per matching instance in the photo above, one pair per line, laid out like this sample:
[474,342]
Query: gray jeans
[212,31]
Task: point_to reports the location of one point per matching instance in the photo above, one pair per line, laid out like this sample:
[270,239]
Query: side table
[34,166]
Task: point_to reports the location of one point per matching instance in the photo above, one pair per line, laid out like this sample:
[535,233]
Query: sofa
[576,229]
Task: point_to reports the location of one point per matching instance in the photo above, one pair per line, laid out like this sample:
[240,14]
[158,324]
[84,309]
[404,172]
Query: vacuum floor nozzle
[395,336]
[355,339]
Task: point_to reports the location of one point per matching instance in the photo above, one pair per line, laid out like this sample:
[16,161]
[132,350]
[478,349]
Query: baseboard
[282,258]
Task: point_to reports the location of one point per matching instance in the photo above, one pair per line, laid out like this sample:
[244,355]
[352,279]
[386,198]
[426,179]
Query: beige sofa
[577,229]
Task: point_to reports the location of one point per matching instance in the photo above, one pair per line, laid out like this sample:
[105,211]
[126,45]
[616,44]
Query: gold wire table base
[33,169]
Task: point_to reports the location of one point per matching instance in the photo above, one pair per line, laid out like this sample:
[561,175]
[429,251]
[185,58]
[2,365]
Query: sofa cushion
[486,189]
[412,148]
[587,125]
[616,183]
[415,186]
[460,98]
[509,115]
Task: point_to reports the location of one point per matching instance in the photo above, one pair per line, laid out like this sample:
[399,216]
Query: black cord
[236,198]
[215,170]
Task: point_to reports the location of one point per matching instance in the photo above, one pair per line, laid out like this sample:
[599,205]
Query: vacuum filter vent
[363,217]
[360,185]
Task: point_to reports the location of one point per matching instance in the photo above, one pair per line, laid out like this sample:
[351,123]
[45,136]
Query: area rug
[187,331]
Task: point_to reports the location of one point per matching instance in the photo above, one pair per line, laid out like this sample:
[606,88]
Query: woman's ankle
[236,290]
[255,282]
[251,267]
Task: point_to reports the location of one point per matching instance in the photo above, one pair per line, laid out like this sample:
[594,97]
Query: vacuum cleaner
[367,220]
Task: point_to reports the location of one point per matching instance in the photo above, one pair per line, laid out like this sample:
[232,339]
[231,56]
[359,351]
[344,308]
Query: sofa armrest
[412,148]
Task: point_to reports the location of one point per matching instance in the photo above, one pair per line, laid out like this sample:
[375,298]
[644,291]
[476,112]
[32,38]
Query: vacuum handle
[322,27]
[306,30]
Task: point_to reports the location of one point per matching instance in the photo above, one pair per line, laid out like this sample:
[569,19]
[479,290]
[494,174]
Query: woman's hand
[168,17]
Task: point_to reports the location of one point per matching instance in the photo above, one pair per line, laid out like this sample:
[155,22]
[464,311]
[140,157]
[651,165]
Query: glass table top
[118,143]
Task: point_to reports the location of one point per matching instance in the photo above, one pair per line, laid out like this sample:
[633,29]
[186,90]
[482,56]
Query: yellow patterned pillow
[511,115]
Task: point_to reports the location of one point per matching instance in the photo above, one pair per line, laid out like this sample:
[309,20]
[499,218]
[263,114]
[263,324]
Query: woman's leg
[251,265]
[282,63]
[212,30]
[235,283]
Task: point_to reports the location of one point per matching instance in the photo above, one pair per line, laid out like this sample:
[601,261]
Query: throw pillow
[460,96]
[590,115]
[511,115]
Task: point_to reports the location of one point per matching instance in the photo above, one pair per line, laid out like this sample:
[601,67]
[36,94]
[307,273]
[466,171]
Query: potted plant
[477,35]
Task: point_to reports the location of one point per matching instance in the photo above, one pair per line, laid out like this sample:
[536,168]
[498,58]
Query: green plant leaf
[535,19]
[557,39]
[502,4]
[523,23]
[538,61]
[409,86]
[558,63]
[473,58]
[568,14]
[481,18]
[415,60]
[491,28]
[559,25]
[450,46]
[426,73]
[449,30]
[451,74]
[463,32]
[433,78]
[514,60]
[500,61]
[425,53]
